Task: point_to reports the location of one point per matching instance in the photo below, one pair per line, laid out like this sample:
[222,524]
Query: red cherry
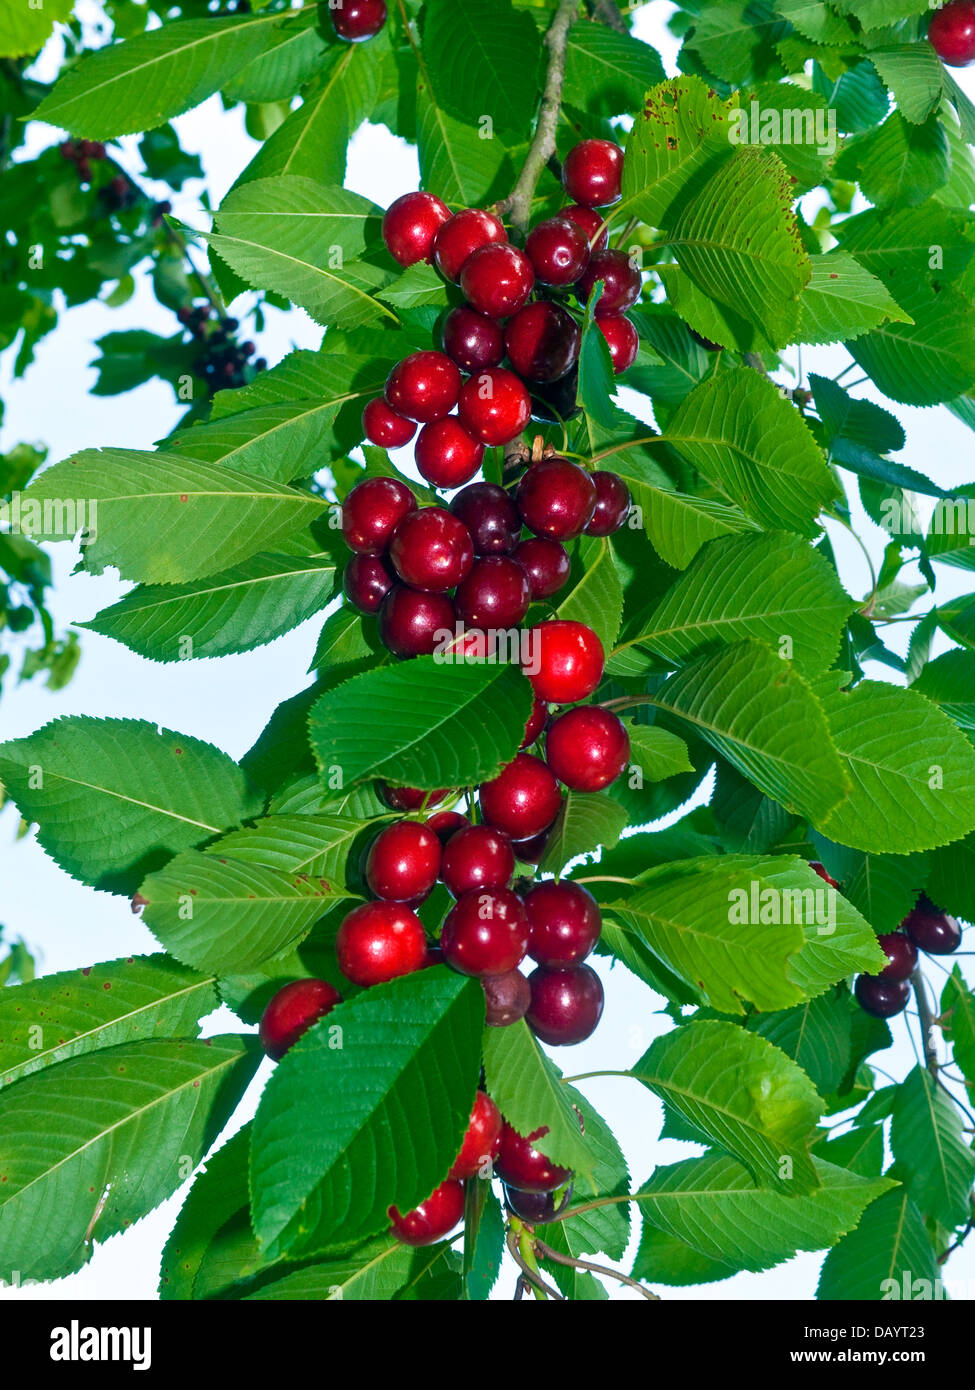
[566,662]
[446,455]
[506,998]
[523,800]
[537,1208]
[412,623]
[473,340]
[524,1167]
[485,933]
[403,862]
[292,1011]
[932,930]
[446,824]
[380,941]
[591,222]
[881,998]
[542,341]
[411,225]
[558,250]
[593,172]
[482,1140]
[477,858]
[385,427]
[536,722]
[432,1219]
[465,233]
[372,511]
[497,280]
[357,20]
[566,1005]
[491,517]
[424,386]
[952,32]
[613,504]
[587,748]
[367,581]
[622,338]
[494,595]
[557,499]
[431,549]
[622,282]
[565,923]
[494,406]
[410,798]
[547,564]
[821,870]
[901,954]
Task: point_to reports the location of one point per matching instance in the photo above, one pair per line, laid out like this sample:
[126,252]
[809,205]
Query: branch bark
[607,12]
[926,1019]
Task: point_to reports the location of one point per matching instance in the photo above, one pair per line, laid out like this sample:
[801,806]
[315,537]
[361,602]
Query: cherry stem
[520,1251]
[606,878]
[547,1253]
[926,1020]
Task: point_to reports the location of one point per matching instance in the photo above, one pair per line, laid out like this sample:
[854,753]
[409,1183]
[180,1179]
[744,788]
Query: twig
[607,13]
[926,1019]
[547,1253]
[518,204]
[527,1273]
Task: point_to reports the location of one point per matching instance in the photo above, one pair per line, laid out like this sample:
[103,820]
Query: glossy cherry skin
[367,581]
[901,954]
[292,1011]
[952,32]
[465,233]
[537,1208]
[621,338]
[523,800]
[411,225]
[821,870]
[477,858]
[495,594]
[613,504]
[542,341]
[932,930]
[446,455]
[536,722]
[403,862]
[494,406]
[558,250]
[386,427]
[445,824]
[432,1219]
[372,511]
[424,386]
[380,941]
[556,498]
[531,851]
[592,173]
[591,222]
[472,340]
[566,1005]
[587,748]
[412,622]
[566,662]
[881,998]
[556,402]
[520,1165]
[357,20]
[622,282]
[506,998]
[485,933]
[431,549]
[411,798]
[481,1142]
[497,280]
[547,564]
[565,923]
[490,516]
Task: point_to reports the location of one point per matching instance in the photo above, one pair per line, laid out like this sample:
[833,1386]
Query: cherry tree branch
[547,1253]
[926,1020]
[607,13]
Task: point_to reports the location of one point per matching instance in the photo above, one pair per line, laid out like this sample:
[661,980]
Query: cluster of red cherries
[925,928]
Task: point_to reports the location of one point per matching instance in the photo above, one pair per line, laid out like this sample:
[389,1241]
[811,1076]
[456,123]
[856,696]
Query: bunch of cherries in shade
[516,308]
[925,928]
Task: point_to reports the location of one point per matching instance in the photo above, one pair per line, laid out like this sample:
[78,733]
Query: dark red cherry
[446,824]
[379,941]
[881,998]
[952,32]
[357,20]
[497,280]
[481,1142]
[565,923]
[537,1208]
[621,279]
[547,564]
[385,427]
[587,748]
[556,498]
[446,455]
[558,250]
[506,998]
[292,1011]
[565,662]
[494,406]
[413,623]
[465,233]
[622,339]
[411,798]
[591,222]
[431,549]
[424,386]
[477,857]
[372,511]
[531,851]
[485,933]
[367,581]
[432,1219]
[613,504]
[821,870]
[411,225]
[520,1165]
[536,722]
[523,800]
[491,517]
[473,340]
[566,1005]
[592,173]
[901,954]
[556,402]
[403,862]
[542,341]
[495,594]
[932,930]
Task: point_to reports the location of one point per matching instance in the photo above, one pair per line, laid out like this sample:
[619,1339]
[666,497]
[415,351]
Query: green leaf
[934,1158]
[93,1144]
[957,1018]
[678,524]
[420,284]
[859,422]
[930,360]
[372,1272]
[483,1242]
[817,1035]
[586,822]
[950,533]
[425,723]
[163,519]
[596,595]
[596,375]
[843,300]
[677,140]
[754,446]
[279,442]
[471,50]
[915,76]
[608,73]
[296,50]
[604,1230]
[78,1011]
[465,169]
[657,752]
[898,164]
[405,1048]
[26,29]
[219,1191]
[115,798]
[888,1251]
